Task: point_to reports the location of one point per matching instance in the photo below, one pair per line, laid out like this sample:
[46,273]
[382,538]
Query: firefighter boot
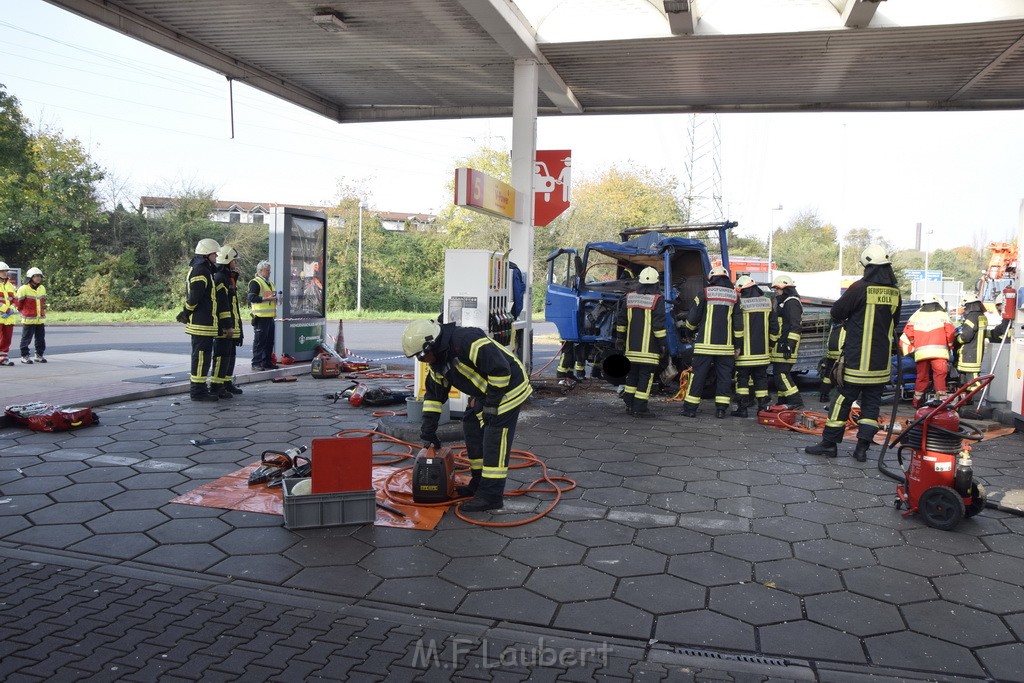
[823,395]
[469,490]
[197,392]
[230,386]
[628,400]
[488,496]
[824,448]
[741,407]
[860,453]
[720,412]
[795,401]
[689,410]
[764,403]
[222,391]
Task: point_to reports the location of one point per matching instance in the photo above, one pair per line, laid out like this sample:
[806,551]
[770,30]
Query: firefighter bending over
[757,326]
[869,311]
[495,382]
[640,334]
[712,318]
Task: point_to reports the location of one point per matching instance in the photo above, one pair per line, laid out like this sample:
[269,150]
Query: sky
[159,124]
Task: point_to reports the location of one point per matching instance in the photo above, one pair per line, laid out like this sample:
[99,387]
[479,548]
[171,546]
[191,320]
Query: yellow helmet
[874,255]
[207,246]
[744,281]
[648,276]
[783,281]
[226,255]
[419,336]
[717,271]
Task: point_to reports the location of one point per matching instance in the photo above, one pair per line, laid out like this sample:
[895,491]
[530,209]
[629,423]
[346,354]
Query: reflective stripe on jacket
[869,312]
[8,303]
[790,313]
[713,318]
[201,299]
[641,321]
[928,334]
[756,328]
[972,341]
[259,290]
[32,304]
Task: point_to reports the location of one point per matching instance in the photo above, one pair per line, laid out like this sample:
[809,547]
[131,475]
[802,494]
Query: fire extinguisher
[356,399]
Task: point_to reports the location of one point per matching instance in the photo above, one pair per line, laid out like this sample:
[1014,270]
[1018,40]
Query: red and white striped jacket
[928,334]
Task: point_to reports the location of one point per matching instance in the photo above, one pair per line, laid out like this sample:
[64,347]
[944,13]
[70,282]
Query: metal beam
[112,15]
[505,23]
[858,13]
[682,15]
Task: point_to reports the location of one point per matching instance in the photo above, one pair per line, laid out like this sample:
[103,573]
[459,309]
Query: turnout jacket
[713,316]
[928,334]
[641,323]
[757,326]
[228,315]
[790,313]
[32,303]
[476,365]
[834,342]
[8,302]
[201,299]
[869,311]
[971,338]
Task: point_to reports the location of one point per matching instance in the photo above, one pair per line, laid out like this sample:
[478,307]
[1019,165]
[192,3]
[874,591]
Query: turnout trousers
[262,341]
[224,354]
[870,396]
[488,446]
[638,386]
[758,375]
[202,360]
[702,365]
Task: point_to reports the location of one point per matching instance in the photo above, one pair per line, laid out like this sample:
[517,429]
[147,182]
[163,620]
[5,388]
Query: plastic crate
[327,509]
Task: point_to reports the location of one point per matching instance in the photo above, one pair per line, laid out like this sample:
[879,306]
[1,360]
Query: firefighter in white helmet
[32,305]
[758,325]
[200,317]
[8,313]
[790,313]
[711,322]
[640,335]
[229,324]
[928,336]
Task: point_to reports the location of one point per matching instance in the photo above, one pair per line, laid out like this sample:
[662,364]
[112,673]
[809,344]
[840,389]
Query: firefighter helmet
[226,255]
[4,266]
[419,336]
[930,299]
[648,276]
[34,271]
[971,299]
[744,281]
[783,281]
[207,246]
[874,255]
[717,271]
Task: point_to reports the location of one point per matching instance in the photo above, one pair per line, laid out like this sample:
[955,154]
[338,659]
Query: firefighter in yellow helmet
[757,325]
[497,385]
[640,334]
[711,322]
[790,313]
[8,313]
[200,317]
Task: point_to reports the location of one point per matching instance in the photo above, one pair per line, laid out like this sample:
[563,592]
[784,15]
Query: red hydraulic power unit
[342,463]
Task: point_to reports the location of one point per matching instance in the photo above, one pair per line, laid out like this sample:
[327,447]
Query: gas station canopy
[389,60]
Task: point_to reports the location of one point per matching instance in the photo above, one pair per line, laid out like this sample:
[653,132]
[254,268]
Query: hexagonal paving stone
[265,568]
[653,484]
[625,560]
[480,573]
[1008,544]
[853,613]
[958,624]
[682,502]
[981,592]
[404,562]
[153,480]
[714,523]
[66,513]
[516,605]
[642,517]
[430,592]
[717,489]
[350,581]
[673,540]
[124,546]
[908,650]
[609,617]
[833,554]
[806,639]
[820,513]
[755,604]
[688,473]
[86,492]
[781,493]
[127,521]
[51,536]
[101,474]
[919,561]
[889,585]
[189,531]
[466,542]
[253,540]
[544,552]
[571,584]
[12,524]
[704,628]
[864,535]
[995,566]
[593,533]
[1003,661]
[750,507]
[933,539]
[615,497]
[661,594]
[788,529]
[55,469]
[138,500]
[797,576]
[752,547]
[710,569]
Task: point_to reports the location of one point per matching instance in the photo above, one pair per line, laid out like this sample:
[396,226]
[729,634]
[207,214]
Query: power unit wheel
[941,507]
[977,500]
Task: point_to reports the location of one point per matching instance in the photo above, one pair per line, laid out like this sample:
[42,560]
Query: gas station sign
[551,171]
[480,192]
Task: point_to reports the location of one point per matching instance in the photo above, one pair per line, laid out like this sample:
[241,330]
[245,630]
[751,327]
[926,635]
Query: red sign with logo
[550,185]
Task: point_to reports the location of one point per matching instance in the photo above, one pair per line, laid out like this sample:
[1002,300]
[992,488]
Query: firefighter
[8,313]
[200,317]
[495,382]
[32,306]
[833,351]
[790,313]
[263,299]
[711,321]
[1006,305]
[929,336]
[572,365]
[229,323]
[758,325]
[970,340]
[640,335]
[869,311]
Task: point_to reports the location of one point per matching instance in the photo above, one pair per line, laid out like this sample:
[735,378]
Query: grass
[154,315]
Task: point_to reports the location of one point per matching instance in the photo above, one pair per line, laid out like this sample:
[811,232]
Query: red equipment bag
[772,417]
[42,417]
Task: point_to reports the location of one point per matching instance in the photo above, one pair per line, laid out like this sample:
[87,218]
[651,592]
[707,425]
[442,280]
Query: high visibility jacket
[790,313]
[8,303]
[201,299]
[835,341]
[32,304]
[259,290]
[869,311]
[641,321]
[928,334]
[228,315]
[971,338]
[477,366]
[714,315]
[756,327]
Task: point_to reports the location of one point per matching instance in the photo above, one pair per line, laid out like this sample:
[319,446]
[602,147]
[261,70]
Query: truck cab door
[561,298]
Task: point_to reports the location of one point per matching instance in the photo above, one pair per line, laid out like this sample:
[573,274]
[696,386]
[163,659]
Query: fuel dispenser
[477,293]
[298,256]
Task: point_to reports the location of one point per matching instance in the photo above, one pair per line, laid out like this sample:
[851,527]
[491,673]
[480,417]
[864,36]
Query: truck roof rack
[676,227]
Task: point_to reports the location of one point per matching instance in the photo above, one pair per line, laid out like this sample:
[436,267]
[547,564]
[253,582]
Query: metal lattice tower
[703,183]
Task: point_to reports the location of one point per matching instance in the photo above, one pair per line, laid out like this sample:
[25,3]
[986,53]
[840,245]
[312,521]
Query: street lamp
[771,242]
[359,262]
[926,245]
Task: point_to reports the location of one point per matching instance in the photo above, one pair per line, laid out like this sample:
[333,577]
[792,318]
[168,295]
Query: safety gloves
[428,429]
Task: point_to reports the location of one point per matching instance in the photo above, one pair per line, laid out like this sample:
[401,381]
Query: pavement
[691,550]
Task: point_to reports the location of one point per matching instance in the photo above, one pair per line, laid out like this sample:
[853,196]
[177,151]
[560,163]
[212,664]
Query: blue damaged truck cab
[584,294]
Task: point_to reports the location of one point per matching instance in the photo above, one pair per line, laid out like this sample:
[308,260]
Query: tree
[15,164]
[807,245]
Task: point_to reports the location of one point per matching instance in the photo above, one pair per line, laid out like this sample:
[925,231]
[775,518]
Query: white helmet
[930,299]
[34,271]
[207,246]
[971,299]
[226,255]
[744,281]
[783,281]
[718,270]
[648,276]
[874,255]
[4,266]
[419,336]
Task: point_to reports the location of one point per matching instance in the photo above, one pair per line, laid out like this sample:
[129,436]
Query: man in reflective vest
[640,334]
[710,322]
[787,345]
[970,340]
[869,311]
[757,326]
[496,384]
[929,336]
[200,317]
[263,299]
